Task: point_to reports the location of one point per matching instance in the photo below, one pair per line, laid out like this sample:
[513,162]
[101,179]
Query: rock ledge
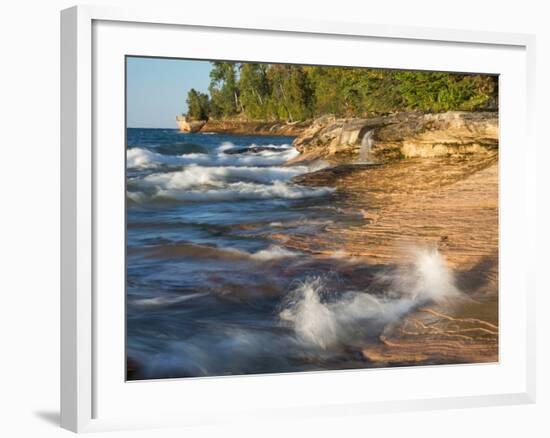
[400,135]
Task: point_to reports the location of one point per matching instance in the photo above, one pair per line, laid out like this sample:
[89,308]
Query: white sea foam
[138,157]
[217,183]
[275,155]
[226,145]
[144,158]
[274,252]
[324,325]
[262,158]
[327,320]
[196,176]
[221,176]
[245,190]
[166,300]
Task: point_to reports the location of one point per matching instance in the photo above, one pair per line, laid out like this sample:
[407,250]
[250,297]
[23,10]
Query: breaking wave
[330,319]
[272,252]
[317,324]
[220,176]
[271,155]
[196,176]
[138,158]
[235,191]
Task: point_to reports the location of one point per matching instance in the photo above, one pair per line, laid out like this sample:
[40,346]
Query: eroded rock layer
[401,135]
[251,127]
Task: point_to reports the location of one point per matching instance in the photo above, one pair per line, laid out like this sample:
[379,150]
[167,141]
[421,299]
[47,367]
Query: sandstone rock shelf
[400,135]
[448,203]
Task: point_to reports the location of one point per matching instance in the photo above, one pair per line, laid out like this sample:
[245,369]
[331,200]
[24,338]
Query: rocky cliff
[185,125]
[251,127]
[400,135]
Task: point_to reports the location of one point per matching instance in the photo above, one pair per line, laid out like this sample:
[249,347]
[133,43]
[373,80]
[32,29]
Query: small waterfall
[366,146]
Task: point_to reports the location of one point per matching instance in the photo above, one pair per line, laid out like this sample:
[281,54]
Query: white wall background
[29,216]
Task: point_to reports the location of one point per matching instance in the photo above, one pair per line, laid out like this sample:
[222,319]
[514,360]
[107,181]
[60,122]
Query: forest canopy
[298,92]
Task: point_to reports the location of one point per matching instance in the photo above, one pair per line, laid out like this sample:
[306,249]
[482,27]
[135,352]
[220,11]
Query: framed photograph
[340,212]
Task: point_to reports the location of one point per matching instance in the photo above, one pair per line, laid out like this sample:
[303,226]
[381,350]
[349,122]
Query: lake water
[211,287]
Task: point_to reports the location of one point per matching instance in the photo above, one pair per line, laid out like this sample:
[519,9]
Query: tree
[434,91]
[294,92]
[291,95]
[327,96]
[224,92]
[254,90]
[198,105]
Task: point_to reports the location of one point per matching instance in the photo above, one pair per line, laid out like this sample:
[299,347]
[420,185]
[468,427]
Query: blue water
[212,286]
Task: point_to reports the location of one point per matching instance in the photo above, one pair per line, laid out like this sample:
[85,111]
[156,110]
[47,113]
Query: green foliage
[224,92]
[293,92]
[255,90]
[327,85]
[198,105]
[381,92]
[444,91]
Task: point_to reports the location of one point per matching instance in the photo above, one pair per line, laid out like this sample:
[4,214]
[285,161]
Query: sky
[157,89]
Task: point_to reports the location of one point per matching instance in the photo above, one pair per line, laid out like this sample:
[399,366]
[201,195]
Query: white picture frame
[85,359]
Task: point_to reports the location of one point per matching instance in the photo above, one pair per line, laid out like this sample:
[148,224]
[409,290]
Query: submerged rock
[252,149]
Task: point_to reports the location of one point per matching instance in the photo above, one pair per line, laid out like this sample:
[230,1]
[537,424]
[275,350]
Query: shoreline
[447,205]
[435,190]
[392,137]
[442,206]
[252,127]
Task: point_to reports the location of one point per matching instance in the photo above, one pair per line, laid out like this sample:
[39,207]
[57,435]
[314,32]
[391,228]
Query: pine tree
[198,105]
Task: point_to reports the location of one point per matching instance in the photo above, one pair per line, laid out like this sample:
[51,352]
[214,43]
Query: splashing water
[328,319]
[211,286]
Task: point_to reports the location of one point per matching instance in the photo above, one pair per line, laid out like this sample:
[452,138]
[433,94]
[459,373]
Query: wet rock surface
[446,203]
